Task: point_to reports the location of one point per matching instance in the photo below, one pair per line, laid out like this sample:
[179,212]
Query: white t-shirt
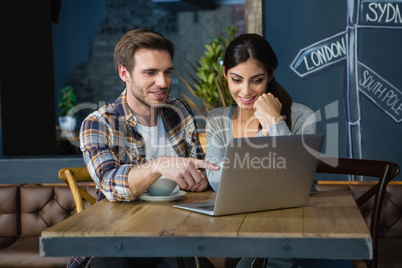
[156,140]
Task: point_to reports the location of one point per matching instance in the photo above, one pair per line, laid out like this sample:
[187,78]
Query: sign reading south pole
[386,96]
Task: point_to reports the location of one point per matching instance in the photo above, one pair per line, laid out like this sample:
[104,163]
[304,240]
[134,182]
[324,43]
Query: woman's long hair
[254,46]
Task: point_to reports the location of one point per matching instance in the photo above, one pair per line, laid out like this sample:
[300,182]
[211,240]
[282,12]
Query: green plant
[211,86]
[68,100]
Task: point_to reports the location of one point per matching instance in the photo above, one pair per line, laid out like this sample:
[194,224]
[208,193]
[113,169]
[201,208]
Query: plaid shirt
[111,144]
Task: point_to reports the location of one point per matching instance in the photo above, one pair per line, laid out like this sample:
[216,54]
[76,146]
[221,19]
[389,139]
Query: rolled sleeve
[102,161]
[217,132]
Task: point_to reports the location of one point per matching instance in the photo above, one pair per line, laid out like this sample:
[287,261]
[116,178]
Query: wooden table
[330,226]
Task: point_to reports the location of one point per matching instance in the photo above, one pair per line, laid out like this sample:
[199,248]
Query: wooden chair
[383,170]
[71,176]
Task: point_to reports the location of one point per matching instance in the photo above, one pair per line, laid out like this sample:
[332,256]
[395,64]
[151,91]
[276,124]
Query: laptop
[264,173]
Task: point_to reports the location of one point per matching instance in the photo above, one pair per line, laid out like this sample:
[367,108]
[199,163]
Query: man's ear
[124,74]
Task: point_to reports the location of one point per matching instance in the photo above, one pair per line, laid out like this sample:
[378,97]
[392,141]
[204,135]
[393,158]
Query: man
[144,134]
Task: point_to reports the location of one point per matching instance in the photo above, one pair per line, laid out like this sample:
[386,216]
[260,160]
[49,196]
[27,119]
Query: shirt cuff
[279,129]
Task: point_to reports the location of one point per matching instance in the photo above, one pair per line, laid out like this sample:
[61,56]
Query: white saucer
[167,198]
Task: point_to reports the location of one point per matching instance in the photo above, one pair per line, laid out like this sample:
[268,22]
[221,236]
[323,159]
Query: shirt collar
[123,110]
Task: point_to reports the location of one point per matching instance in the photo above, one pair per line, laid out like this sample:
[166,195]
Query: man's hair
[138,39]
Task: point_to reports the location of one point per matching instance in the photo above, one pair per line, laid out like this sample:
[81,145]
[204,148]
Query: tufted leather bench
[390,243]
[9,215]
[25,211]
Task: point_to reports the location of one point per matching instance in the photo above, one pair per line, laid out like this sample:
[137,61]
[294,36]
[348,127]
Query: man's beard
[139,93]
[141,99]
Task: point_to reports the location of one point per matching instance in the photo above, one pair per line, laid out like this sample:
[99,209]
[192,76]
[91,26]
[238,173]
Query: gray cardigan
[219,132]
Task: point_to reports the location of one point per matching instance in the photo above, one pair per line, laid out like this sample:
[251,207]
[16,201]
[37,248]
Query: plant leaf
[185,83]
[193,105]
[211,78]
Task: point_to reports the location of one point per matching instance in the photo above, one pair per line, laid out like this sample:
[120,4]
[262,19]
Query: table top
[329,226]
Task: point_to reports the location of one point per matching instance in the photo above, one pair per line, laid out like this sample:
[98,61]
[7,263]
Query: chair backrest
[383,170]
[71,176]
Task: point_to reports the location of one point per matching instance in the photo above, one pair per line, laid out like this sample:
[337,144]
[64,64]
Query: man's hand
[184,171]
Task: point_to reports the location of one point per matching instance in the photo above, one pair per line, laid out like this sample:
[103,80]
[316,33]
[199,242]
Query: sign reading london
[320,55]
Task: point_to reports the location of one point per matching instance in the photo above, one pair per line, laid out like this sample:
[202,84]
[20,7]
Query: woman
[261,108]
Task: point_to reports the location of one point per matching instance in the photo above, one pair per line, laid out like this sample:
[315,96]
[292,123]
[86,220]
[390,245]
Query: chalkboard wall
[343,59]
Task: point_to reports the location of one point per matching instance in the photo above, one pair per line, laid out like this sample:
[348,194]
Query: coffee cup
[162,187]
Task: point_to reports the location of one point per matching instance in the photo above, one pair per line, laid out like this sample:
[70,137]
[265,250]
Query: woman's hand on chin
[267,109]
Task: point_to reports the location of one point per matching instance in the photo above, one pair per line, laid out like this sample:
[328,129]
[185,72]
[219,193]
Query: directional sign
[387,97]
[361,15]
[376,13]
[320,55]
